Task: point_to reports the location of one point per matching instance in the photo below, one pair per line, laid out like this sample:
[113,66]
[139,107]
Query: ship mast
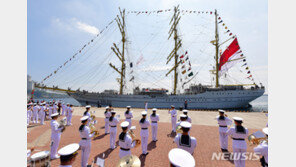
[174,21]
[121,25]
[216,43]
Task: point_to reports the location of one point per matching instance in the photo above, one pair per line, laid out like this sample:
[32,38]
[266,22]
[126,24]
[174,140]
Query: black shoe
[147,153]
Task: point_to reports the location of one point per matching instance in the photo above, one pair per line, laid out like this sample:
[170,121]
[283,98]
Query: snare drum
[40,159]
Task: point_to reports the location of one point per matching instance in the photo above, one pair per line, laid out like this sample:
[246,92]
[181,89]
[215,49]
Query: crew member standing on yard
[185,112]
[173,113]
[239,145]
[56,133]
[85,142]
[107,114]
[128,116]
[262,149]
[184,141]
[154,119]
[223,122]
[113,121]
[144,123]
[125,141]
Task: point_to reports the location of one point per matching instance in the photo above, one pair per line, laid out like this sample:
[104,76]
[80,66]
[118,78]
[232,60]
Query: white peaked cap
[84,118]
[113,111]
[181,158]
[185,110]
[128,106]
[124,124]
[144,112]
[107,107]
[88,106]
[172,106]
[183,116]
[237,118]
[69,149]
[154,109]
[222,111]
[185,124]
[68,103]
[55,114]
[265,130]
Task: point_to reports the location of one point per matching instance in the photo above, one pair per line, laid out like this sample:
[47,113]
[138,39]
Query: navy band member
[185,112]
[144,123]
[262,149]
[68,154]
[125,141]
[180,158]
[107,114]
[223,122]
[173,113]
[85,142]
[184,141]
[128,116]
[56,133]
[239,145]
[113,121]
[154,119]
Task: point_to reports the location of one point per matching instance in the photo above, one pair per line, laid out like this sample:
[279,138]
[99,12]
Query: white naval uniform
[29,114]
[154,126]
[144,135]
[55,138]
[223,123]
[55,108]
[89,119]
[128,118]
[190,146]
[189,119]
[50,111]
[69,116]
[173,119]
[239,145]
[42,114]
[125,145]
[113,131]
[35,114]
[262,149]
[63,109]
[85,145]
[107,116]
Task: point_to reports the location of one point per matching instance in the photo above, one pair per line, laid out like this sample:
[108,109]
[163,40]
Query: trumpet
[179,129]
[93,129]
[62,123]
[257,138]
[133,136]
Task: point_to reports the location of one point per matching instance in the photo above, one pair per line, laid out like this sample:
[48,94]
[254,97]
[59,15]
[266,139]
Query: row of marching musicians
[40,111]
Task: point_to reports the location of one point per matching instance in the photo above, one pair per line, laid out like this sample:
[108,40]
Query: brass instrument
[62,123]
[129,161]
[179,129]
[133,136]
[92,123]
[257,138]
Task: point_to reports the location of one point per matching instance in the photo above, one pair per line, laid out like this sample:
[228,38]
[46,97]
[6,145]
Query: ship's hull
[223,99]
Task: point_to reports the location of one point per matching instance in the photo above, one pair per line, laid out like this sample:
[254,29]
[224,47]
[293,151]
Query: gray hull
[224,99]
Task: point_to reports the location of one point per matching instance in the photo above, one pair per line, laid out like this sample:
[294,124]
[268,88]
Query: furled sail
[230,57]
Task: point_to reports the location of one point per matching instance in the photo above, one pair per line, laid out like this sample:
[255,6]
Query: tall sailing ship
[196,96]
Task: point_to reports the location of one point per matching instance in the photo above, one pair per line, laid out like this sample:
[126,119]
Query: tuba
[257,138]
[92,123]
[133,136]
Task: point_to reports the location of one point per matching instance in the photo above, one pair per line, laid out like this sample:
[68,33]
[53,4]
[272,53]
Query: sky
[59,29]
